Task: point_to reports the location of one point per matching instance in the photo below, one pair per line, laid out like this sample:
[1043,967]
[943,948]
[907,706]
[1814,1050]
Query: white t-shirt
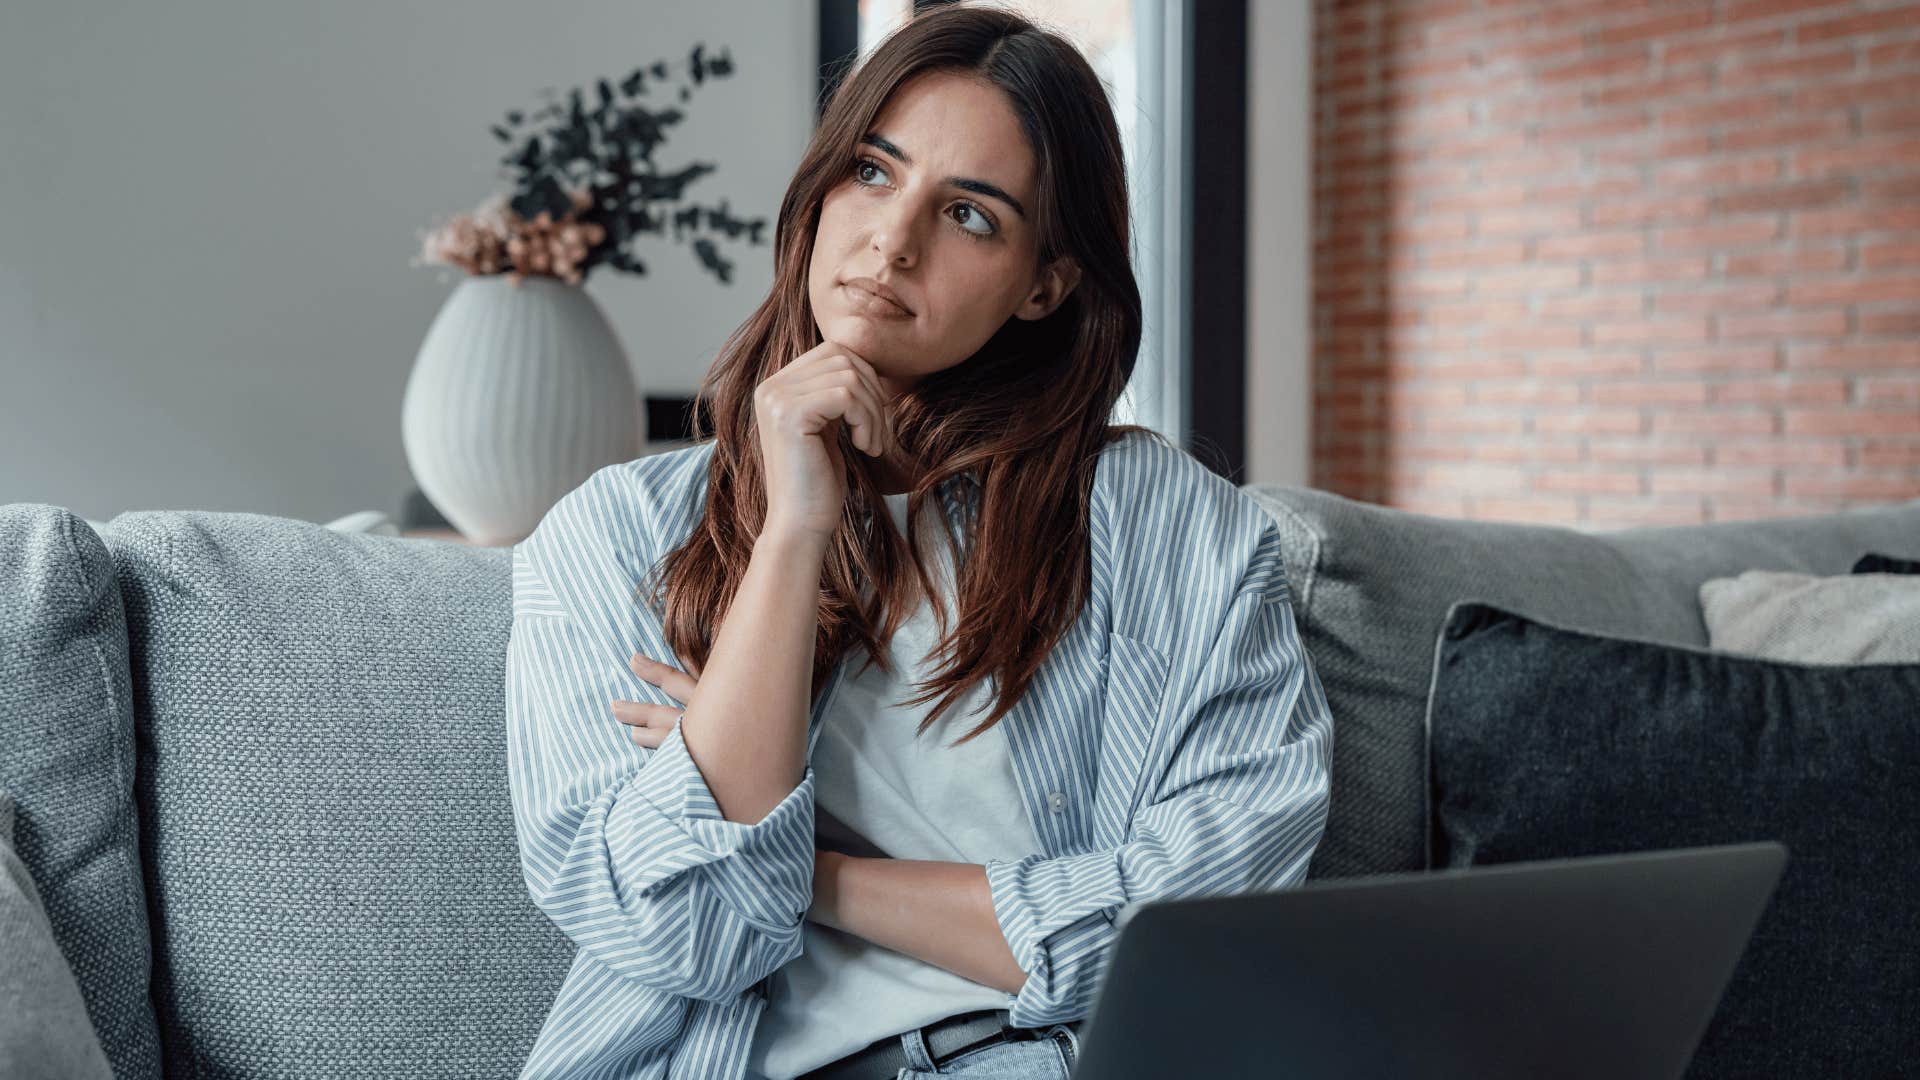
[880,790]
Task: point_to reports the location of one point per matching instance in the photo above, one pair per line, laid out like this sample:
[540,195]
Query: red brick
[1866,155]
[1531,392]
[1888,454]
[1590,304]
[1892,118]
[1714,172]
[1607,481]
[1790,68]
[1650,393]
[1594,67]
[1717,481]
[1899,17]
[1714,423]
[1894,54]
[1526,279]
[1716,47]
[1811,223]
[1670,208]
[1648,452]
[1783,324]
[1790,134]
[1864,92]
[1637,271]
[1528,336]
[1527,450]
[1888,485]
[1588,245]
[1528,219]
[1742,10]
[1719,358]
[1890,390]
[1856,356]
[1852,422]
[1808,195]
[1779,453]
[1731,110]
[1859,290]
[1778,391]
[1901,321]
[1649,331]
[1737,297]
[1590,422]
[1588,362]
[1664,26]
[1800,260]
[1722,235]
[1651,91]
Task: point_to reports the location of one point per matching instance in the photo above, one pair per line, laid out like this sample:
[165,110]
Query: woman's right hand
[797,413]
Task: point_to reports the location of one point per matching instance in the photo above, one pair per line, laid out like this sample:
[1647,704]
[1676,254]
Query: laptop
[1604,966]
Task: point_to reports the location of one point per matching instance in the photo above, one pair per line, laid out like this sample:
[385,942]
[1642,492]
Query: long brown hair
[1026,414]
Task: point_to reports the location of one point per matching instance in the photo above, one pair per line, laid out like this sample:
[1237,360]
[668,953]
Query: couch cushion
[1552,743]
[44,1030]
[334,873]
[67,758]
[1372,587]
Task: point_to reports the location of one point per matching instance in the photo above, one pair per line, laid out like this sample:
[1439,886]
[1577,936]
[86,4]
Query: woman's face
[936,210]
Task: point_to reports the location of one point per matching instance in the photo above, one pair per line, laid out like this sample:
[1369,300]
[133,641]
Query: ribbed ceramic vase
[519,393]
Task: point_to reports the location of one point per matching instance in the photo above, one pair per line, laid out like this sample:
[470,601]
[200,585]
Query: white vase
[518,394]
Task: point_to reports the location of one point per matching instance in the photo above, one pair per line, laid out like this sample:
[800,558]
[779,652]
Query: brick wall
[1618,262]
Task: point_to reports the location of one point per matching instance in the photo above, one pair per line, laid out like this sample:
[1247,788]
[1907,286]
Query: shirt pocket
[1132,700]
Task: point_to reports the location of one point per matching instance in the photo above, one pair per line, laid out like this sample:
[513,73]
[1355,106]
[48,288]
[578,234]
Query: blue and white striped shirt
[1175,742]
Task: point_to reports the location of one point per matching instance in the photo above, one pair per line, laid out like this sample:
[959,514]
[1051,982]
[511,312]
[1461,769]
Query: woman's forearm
[746,728]
[939,912]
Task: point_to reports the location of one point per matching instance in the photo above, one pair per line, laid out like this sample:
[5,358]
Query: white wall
[1280,242]
[210,208]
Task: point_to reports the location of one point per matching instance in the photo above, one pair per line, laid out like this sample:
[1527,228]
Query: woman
[779,862]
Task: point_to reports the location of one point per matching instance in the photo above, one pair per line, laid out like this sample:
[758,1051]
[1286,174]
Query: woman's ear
[1056,280]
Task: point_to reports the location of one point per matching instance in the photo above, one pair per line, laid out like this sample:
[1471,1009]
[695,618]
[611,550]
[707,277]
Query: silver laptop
[1608,966]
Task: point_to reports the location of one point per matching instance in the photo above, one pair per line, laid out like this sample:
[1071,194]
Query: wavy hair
[1026,414]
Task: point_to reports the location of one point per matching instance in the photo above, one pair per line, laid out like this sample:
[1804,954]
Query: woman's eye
[986,226]
[986,229]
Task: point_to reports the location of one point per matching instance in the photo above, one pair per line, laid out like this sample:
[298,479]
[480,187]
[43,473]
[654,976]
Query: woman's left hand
[647,723]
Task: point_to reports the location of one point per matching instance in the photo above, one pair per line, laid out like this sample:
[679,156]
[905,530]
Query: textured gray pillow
[1844,619]
[44,1031]
[1371,591]
[328,831]
[66,756]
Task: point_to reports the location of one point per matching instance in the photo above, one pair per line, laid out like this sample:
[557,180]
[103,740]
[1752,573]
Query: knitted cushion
[66,756]
[334,874]
[1372,587]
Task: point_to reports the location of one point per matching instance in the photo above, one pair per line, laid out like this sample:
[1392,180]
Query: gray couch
[257,767]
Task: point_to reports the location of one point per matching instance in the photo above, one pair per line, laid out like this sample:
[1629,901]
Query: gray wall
[206,300]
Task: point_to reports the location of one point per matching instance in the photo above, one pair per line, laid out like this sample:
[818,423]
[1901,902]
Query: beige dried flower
[493,239]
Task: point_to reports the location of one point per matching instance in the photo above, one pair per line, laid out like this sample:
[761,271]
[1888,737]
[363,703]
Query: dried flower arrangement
[584,183]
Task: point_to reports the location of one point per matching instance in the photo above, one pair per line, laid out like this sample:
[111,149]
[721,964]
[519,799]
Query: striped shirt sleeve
[622,846]
[1237,801]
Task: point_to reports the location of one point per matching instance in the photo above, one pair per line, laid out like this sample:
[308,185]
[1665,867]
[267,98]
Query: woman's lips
[871,304]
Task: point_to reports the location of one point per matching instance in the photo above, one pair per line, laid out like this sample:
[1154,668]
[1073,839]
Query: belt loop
[919,1056]
[1005,1016]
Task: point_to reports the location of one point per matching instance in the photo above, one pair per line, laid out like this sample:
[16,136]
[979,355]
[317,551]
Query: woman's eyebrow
[978,187]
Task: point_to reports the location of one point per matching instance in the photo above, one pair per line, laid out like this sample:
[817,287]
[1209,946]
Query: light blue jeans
[1048,1058]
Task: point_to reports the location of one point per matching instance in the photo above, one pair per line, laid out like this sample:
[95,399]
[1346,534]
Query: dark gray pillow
[1876,563]
[44,1030]
[1548,742]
